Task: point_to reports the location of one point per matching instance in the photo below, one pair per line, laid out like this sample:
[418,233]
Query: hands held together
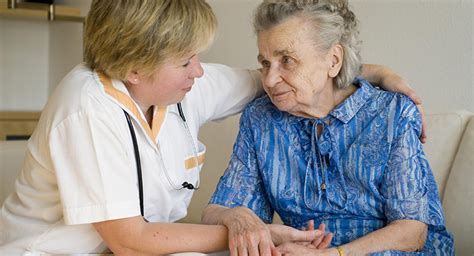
[249,235]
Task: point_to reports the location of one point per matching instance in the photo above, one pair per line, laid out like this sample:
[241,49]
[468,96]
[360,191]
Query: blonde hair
[334,23]
[125,35]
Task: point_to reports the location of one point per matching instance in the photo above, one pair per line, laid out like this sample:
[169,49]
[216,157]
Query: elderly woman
[325,145]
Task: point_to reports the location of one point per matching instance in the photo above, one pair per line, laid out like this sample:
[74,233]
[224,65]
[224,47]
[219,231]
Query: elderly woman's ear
[335,54]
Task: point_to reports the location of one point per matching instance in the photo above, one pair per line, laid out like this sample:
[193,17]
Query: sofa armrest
[458,202]
[444,132]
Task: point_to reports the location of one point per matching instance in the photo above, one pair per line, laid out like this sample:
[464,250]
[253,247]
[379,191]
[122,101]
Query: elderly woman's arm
[388,80]
[400,235]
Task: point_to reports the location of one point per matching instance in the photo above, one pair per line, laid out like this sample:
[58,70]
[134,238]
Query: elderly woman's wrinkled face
[294,71]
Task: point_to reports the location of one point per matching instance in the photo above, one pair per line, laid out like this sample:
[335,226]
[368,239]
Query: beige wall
[24,64]
[427,41]
[34,56]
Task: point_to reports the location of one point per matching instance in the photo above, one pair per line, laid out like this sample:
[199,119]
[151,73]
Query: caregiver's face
[294,71]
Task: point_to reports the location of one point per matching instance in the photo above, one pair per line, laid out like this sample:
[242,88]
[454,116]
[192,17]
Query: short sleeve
[408,187]
[242,184]
[95,175]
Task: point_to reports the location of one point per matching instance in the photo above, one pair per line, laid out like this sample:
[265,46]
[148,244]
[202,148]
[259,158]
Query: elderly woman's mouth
[279,96]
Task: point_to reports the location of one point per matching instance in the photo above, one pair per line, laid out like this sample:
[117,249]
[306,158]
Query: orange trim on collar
[126,101]
[157,122]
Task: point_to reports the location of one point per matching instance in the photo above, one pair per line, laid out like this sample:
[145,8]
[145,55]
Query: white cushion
[458,200]
[12,154]
[444,135]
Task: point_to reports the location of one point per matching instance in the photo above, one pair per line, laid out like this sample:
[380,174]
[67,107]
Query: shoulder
[79,92]
[409,115]
[401,111]
[399,105]
[80,82]
[398,110]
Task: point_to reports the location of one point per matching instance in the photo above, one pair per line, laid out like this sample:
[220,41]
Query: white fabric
[12,154]
[80,166]
[458,200]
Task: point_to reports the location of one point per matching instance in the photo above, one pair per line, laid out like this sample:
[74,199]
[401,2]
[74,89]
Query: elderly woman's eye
[287,60]
[265,63]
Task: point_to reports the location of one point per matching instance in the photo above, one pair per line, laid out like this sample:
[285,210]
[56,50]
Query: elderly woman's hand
[390,81]
[323,241]
[248,234]
[282,234]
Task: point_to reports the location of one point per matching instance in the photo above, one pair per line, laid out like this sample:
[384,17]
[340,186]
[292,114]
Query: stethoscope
[136,151]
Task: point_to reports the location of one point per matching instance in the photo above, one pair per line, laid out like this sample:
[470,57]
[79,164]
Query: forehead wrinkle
[282,52]
[281,39]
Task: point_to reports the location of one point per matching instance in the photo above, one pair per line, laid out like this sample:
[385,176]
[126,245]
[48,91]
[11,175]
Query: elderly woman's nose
[272,77]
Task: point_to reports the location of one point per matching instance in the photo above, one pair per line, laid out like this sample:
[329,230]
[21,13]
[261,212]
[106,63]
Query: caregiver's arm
[388,80]
[134,236]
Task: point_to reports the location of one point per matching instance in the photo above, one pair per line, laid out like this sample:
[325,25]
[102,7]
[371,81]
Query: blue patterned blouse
[366,169]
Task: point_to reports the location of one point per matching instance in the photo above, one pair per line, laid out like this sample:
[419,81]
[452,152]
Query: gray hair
[333,21]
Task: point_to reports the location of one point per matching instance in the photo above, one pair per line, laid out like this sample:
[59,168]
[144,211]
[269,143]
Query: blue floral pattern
[366,168]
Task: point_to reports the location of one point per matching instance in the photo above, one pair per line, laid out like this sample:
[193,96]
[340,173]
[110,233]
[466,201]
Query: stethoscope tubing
[138,162]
